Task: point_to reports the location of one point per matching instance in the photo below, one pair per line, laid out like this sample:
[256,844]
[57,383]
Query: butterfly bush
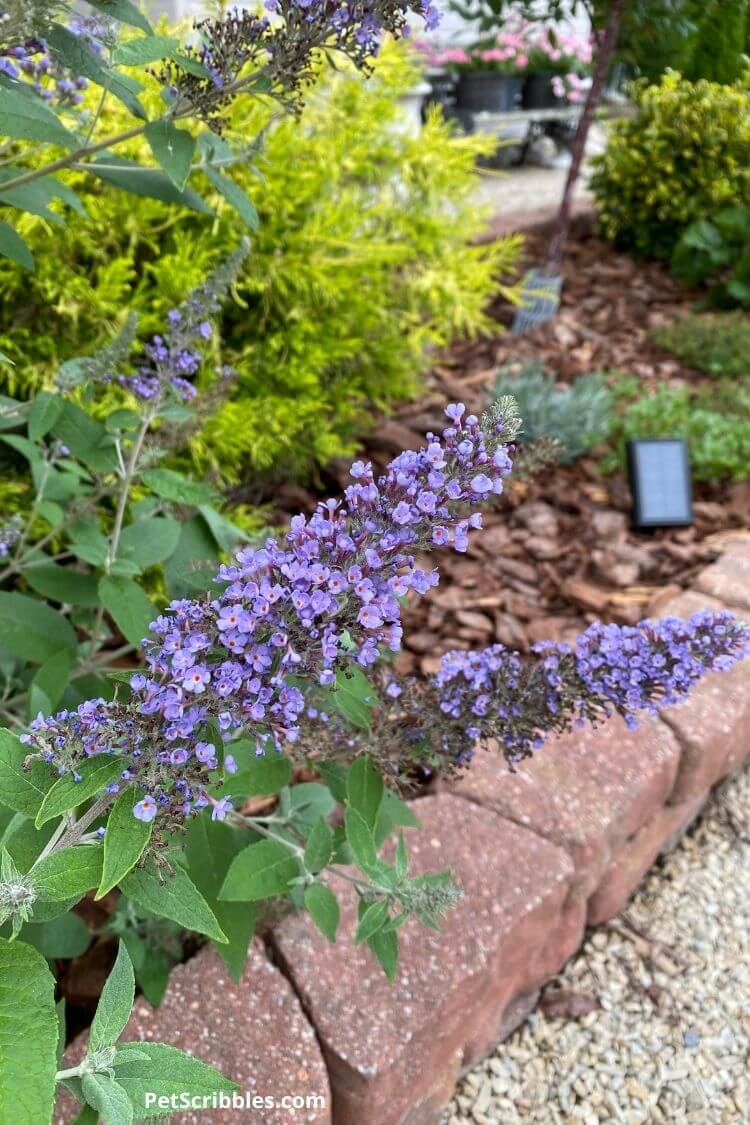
[292,611]
[282,46]
[625,669]
[517,701]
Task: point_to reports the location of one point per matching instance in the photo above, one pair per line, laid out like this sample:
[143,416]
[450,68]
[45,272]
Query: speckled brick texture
[728,579]
[713,724]
[255,1033]
[394,1050]
[637,855]
[587,791]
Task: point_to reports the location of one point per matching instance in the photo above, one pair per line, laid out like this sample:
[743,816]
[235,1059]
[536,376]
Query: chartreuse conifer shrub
[363,261]
[684,155]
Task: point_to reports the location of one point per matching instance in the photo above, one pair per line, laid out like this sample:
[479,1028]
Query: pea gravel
[670,1040]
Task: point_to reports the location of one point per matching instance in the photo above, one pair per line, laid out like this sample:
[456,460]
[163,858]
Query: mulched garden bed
[558,551]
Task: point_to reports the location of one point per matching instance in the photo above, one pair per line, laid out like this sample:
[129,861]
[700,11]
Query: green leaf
[28,1035]
[178,488]
[309,800]
[173,148]
[235,197]
[45,410]
[128,606]
[66,936]
[334,775]
[192,565]
[35,197]
[259,871]
[372,919]
[86,438]
[322,906]
[49,683]
[124,841]
[24,842]
[393,813]
[115,1003]
[29,119]
[30,630]
[153,974]
[87,1116]
[177,898]
[95,774]
[166,1072]
[211,847]
[151,182]
[360,840]
[319,847]
[75,53]
[13,246]
[62,584]
[67,873]
[224,532]
[147,49]
[258,777]
[384,944]
[22,790]
[150,541]
[354,697]
[364,789]
[124,11]
[108,1098]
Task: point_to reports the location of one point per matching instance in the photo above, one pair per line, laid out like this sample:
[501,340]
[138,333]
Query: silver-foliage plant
[575,417]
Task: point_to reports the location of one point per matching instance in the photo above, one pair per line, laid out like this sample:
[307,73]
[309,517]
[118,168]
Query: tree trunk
[607,46]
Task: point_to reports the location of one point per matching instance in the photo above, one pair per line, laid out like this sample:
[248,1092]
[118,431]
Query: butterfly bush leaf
[173,896]
[94,774]
[115,1003]
[125,839]
[173,148]
[108,1098]
[166,1072]
[259,871]
[69,872]
[322,906]
[28,1035]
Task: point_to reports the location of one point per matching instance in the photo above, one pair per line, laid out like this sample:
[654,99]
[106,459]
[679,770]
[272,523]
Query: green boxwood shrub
[362,262]
[683,156]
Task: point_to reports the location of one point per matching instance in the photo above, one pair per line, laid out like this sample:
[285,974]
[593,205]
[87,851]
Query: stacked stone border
[542,854]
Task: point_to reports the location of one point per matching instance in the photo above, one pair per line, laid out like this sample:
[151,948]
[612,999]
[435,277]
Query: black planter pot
[538,92]
[483,91]
[441,93]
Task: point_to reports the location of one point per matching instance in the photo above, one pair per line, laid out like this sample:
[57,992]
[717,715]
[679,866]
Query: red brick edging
[541,853]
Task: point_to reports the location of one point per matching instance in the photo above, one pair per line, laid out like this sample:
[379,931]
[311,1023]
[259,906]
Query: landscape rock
[588,790]
[394,1050]
[713,724]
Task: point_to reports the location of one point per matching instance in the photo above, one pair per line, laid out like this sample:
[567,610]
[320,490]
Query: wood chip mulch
[558,551]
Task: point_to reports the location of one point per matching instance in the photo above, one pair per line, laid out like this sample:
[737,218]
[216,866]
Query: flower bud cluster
[283,46]
[610,668]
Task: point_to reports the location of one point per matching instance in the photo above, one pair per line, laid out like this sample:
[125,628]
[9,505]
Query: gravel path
[669,1038]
